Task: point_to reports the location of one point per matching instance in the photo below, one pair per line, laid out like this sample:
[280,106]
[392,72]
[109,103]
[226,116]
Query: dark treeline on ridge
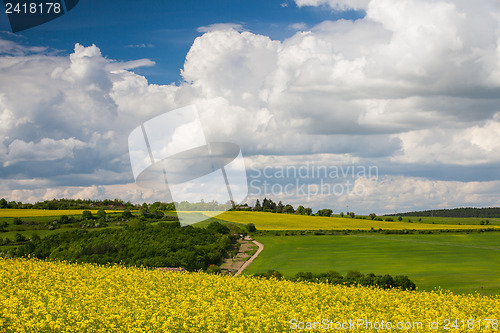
[490,212]
[61,204]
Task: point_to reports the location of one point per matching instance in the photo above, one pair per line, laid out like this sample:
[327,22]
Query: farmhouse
[171,269]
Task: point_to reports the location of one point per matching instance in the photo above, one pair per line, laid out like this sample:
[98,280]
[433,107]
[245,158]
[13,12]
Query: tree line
[490,212]
[65,204]
[351,278]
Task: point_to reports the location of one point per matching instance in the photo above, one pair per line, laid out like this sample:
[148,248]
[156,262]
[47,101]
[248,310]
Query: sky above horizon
[369,105]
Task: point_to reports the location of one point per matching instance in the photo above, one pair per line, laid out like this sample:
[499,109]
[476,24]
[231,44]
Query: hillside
[272,221]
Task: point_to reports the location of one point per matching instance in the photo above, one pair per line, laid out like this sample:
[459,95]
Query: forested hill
[489,212]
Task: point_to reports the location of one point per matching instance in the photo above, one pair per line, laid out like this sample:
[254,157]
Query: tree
[251,227]
[266,204]
[385,281]
[352,214]
[373,215]
[324,212]
[18,238]
[400,218]
[288,209]
[279,208]
[4,203]
[101,214]
[308,211]
[126,215]
[300,210]
[354,277]
[224,242]
[218,227]
[87,215]
[257,206]
[17,221]
[137,224]
[64,219]
[270,274]
[213,269]
[403,282]
[341,214]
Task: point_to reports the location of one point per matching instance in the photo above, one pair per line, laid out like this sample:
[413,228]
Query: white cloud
[407,193]
[127,65]
[45,150]
[221,26]
[335,4]
[468,146]
[298,26]
[412,84]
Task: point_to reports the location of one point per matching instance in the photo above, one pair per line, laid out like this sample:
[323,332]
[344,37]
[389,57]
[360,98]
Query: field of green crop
[271,221]
[462,263]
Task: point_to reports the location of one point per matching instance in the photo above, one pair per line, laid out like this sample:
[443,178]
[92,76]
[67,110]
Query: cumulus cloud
[45,150]
[413,85]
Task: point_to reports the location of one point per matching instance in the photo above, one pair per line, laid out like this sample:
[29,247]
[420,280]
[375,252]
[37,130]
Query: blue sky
[410,89]
[163,31]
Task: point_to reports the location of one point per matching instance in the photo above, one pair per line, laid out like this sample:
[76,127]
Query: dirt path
[249,261]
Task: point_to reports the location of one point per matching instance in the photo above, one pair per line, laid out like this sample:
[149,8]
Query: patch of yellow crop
[6,212]
[272,221]
[43,296]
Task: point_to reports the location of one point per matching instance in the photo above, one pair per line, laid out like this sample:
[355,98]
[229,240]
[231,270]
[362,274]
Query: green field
[452,220]
[272,221]
[462,263]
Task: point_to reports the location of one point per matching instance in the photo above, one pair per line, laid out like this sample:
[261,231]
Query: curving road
[249,261]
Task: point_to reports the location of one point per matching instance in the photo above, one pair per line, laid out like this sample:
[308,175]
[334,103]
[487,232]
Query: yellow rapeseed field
[6,212]
[43,296]
[272,221]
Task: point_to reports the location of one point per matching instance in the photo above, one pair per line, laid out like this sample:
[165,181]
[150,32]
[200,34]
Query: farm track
[249,261]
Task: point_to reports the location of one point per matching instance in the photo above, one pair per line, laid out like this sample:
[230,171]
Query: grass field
[43,296]
[458,262]
[452,220]
[271,221]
